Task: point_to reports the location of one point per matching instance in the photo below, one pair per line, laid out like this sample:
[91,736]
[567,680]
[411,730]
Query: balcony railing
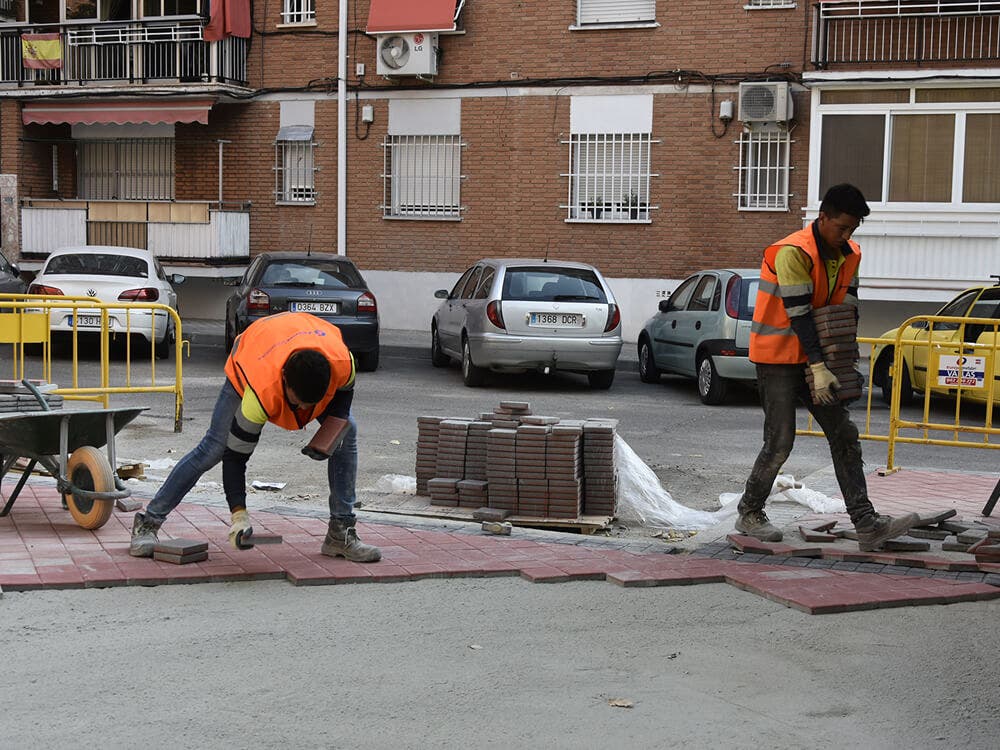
[196,231]
[130,52]
[871,32]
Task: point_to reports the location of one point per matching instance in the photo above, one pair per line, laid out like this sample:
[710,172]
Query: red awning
[117,112]
[395,16]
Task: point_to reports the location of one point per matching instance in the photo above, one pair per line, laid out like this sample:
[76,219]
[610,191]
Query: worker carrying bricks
[802,274]
[287,369]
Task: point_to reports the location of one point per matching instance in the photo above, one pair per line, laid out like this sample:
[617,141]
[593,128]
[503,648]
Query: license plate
[89,321]
[556,320]
[316,307]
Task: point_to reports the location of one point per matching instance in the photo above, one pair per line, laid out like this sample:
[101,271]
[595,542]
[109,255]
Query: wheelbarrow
[67,445]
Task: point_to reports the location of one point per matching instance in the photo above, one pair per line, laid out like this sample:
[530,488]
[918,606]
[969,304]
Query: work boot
[240,522]
[143,536]
[876,531]
[342,541]
[756,524]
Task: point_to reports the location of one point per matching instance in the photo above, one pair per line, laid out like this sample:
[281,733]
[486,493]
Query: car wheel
[648,371]
[905,387]
[367,361]
[711,387]
[166,345]
[438,357]
[601,379]
[472,375]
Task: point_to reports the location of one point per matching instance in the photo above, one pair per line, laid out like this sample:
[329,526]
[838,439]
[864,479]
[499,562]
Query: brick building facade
[532,122]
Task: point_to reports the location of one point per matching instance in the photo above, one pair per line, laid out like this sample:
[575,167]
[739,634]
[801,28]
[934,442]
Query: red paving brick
[42,548]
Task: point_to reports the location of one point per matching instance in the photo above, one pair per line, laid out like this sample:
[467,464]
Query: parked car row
[514,315]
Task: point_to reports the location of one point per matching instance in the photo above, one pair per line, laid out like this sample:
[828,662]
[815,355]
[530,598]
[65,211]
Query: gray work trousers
[781,389]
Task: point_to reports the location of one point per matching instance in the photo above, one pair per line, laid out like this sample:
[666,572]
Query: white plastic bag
[642,501]
[396,484]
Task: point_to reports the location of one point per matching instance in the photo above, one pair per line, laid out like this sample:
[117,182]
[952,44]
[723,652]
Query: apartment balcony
[123,53]
[879,32]
[205,235]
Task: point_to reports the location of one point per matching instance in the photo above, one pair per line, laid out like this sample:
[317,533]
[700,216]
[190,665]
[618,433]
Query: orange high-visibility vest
[260,352]
[772,340]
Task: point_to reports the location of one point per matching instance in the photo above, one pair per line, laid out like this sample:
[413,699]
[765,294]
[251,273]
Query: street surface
[495,662]
[697,451]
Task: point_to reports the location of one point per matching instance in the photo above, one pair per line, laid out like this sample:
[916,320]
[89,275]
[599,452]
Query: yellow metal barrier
[26,319]
[938,356]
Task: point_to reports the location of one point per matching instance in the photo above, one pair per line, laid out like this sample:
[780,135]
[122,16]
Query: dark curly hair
[307,372]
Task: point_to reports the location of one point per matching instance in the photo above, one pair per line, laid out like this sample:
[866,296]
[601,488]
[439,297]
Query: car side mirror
[177,278]
[441,294]
[664,305]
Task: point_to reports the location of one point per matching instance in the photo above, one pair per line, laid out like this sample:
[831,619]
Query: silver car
[515,315]
[703,331]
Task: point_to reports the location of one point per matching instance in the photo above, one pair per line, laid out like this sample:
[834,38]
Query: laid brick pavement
[42,548]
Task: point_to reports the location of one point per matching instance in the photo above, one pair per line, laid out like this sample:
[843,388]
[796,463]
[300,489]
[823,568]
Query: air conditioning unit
[768,101]
[410,54]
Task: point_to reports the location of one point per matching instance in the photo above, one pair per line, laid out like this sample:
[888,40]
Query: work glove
[240,522]
[824,383]
[327,439]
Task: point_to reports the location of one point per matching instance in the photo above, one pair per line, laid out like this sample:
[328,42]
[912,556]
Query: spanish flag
[41,51]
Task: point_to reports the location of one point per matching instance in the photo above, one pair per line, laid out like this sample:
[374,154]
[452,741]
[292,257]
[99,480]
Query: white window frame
[298,12]
[610,159]
[960,110]
[295,172]
[764,169]
[768,4]
[603,14]
[422,177]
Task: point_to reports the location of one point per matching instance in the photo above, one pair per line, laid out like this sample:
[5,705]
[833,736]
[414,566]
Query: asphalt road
[697,451]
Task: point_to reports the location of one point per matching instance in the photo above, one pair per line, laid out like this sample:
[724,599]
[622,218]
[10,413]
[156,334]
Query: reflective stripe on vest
[772,340]
[260,353]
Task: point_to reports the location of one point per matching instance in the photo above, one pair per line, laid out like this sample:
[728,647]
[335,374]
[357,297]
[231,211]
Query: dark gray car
[10,278]
[326,285]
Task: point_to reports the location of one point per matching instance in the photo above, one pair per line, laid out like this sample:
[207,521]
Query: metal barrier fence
[937,356]
[28,319]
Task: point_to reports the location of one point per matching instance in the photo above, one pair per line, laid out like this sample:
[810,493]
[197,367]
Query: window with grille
[615,11]
[298,11]
[422,176]
[763,170]
[295,170]
[125,169]
[609,177]
[751,4]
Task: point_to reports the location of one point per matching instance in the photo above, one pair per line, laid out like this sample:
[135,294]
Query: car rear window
[748,297]
[550,284]
[101,264]
[322,273]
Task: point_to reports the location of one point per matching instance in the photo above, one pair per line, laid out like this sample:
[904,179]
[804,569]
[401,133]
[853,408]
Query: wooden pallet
[420,505]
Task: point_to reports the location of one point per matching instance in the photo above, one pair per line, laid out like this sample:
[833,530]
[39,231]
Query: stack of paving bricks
[837,326]
[427,446]
[16,397]
[525,464]
[600,474]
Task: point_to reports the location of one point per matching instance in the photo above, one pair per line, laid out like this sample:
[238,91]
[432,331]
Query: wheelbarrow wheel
[88,469]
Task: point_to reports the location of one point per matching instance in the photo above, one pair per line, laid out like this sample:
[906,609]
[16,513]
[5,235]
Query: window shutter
[616,11]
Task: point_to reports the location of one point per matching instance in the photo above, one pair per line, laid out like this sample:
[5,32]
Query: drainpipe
[342,130]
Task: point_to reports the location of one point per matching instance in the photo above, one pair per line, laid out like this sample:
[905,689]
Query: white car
[111,274]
